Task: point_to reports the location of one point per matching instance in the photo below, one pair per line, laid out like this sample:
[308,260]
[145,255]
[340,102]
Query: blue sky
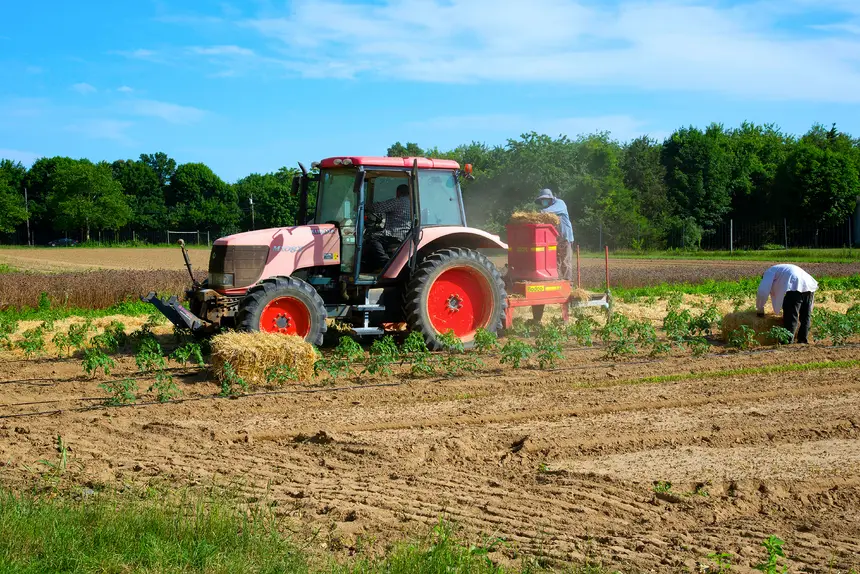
[251,86]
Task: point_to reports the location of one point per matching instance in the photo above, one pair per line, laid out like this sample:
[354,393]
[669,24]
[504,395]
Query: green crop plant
[722,561]
[149,356]
[620,334]
[662,487]
[676,324]
[187,353]
[77,335]
[660,348]
[122,392]
[698,346]
[280,375]
[164,388]
[523,328]
[548,346]
[453,360]
[743,338]
[705,322]
[414,351]
[773,546]
[383,353]
[32,342]
[96,360]
[340,361]
[47,325]
[515,351]
[8,327]
[232,385]
[581,330]
[106,342]
[485,341]
[781,335]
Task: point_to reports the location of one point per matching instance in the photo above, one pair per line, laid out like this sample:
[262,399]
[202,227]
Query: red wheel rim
[286,315]
[460,299]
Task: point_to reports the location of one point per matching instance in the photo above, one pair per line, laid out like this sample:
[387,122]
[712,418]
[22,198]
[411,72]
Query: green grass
[744,287]
[131,308]
[7,269]
[795,255]
[122,533]
[746,371]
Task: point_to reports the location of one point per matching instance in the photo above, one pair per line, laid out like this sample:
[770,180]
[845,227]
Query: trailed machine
[290,280]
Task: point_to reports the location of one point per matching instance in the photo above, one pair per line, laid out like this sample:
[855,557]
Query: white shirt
[779,279]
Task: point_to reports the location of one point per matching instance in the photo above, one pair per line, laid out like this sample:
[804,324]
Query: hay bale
[533,217]
[760,325]
[251,355]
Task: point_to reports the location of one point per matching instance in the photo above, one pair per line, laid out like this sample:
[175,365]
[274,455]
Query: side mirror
[467,169]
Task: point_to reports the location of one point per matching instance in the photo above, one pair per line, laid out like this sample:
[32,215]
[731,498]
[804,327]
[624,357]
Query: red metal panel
[532,251]
[371,161]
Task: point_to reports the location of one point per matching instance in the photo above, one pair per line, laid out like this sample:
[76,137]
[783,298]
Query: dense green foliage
[641,194]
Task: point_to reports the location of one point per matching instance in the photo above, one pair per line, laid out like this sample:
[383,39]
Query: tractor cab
[379,206]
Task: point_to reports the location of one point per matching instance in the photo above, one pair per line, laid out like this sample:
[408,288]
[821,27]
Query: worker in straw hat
[792,291]
[551,204]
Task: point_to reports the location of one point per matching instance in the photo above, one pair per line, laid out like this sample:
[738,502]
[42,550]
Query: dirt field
[623,272]
[561,463]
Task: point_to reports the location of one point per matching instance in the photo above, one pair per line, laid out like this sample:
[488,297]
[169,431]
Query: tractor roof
[370,161]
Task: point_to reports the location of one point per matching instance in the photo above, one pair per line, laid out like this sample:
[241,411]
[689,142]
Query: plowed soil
[562,464]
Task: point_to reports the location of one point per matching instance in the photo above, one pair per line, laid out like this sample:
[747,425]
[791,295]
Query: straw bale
[252,354]
[760,325]
[519,217]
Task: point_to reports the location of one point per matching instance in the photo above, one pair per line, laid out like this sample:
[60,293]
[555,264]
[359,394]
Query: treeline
[635,194]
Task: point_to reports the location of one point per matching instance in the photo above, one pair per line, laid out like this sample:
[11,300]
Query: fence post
[208,243]
[731,235]
[198,237]
[601,236]
[849,233]
[785,228]
[168,238]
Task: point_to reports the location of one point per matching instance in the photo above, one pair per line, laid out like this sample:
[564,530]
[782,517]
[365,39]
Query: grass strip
[726,289]
[130,308]
[797,255]
[766,370]
[105,532]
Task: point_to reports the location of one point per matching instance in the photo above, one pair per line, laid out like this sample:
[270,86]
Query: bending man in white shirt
[792,291]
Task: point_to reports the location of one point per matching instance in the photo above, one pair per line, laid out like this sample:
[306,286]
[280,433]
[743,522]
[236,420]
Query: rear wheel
[456,290]
[283,305]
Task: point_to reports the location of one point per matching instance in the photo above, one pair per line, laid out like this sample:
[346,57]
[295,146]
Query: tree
[273,204]
[199,199]
[757,152]
[163,166]
[144,192]
[409,150]
[12,209]
[698,171]
[85,196]
[819,185]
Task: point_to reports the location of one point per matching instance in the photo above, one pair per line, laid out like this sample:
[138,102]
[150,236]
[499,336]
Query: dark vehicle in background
[65,242]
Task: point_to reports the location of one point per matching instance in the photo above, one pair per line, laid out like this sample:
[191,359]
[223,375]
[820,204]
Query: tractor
[292,279]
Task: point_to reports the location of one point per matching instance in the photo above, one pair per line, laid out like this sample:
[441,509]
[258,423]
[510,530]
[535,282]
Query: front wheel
[456,290]
[283,305]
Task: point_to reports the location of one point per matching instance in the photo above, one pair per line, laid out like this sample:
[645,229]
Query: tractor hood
[243,258]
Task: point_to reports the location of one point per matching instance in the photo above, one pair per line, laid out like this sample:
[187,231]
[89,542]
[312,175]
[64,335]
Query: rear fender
[435,238]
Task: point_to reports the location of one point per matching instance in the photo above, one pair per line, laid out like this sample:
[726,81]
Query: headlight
[222,279]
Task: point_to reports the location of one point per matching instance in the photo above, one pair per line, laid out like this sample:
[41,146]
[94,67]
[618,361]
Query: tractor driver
[381,244]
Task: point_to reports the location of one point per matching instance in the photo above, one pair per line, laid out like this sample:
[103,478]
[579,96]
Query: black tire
[429,270]
[251,307]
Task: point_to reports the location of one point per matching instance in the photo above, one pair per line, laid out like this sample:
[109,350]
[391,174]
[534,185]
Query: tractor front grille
[243,263]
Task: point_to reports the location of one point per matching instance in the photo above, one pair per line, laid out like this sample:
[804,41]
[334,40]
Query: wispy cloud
[84,88]
[222,51]
[169,112]
[125,89]
[106,129]
[139,54]
[673,45]
[25,157]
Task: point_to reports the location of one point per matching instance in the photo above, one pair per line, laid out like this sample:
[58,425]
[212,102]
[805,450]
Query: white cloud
[139,54]
[107,129]
[172,113]
[222,51]
[25,157]
[125,89]
[677,45]
[84,88]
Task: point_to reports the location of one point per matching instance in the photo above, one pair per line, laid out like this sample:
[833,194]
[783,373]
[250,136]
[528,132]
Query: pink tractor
[387,245]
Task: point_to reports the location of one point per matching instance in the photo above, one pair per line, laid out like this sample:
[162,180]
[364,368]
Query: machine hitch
[175,312]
